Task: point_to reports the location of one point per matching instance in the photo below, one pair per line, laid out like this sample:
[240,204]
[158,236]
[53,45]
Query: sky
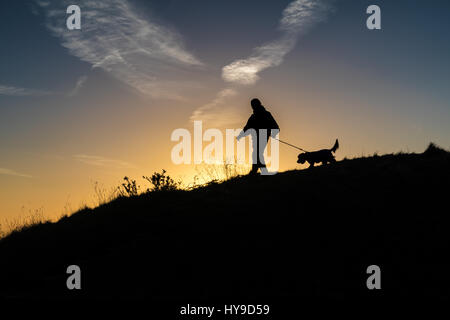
[79,107]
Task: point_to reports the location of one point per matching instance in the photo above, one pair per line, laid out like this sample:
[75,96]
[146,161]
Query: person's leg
[261,147]
[258,161]
[254,169]
[255,160]
[258,152]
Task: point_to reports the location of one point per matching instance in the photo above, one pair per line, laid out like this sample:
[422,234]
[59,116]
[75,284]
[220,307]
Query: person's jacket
[261,119]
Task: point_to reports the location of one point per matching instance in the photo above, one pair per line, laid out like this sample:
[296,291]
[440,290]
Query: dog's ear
[301,158]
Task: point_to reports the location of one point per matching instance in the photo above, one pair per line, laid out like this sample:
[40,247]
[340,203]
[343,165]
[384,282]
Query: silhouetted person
[260,119]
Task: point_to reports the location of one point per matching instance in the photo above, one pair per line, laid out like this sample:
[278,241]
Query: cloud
[103,162]
[78,86]
[21,92]
[10,172]
[297,19]
[43,3]
[115,38]
[216,112]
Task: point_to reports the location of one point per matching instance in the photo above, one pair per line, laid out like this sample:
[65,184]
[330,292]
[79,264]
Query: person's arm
[270,122]
[249,125]
[273,123]
[241,135]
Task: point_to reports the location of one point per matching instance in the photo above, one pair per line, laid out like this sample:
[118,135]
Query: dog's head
[301,158]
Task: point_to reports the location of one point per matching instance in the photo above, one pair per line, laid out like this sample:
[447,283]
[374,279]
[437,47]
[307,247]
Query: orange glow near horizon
[99,105]
[61,183]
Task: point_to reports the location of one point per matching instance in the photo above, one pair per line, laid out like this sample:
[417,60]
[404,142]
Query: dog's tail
[335,147]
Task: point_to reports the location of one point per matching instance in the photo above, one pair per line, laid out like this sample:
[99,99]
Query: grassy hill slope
[300,233]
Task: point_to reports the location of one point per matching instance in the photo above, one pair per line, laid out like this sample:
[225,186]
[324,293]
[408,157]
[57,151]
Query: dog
[325,156]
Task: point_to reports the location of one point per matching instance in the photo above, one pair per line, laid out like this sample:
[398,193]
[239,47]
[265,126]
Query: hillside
[302,233]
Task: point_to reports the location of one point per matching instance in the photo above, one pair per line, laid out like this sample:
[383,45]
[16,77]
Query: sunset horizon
[82,106]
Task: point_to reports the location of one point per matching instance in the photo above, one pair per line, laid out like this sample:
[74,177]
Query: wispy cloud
[43,3]
[103,162]
[115,38]
[80,82]
[21,92]
[216,111]
[297,19]
[10,172]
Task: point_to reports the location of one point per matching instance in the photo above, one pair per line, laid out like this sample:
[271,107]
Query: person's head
[256,104]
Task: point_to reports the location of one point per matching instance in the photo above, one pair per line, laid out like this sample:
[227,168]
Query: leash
[290,145]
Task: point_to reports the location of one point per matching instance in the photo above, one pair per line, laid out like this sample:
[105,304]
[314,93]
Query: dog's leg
[311,165]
